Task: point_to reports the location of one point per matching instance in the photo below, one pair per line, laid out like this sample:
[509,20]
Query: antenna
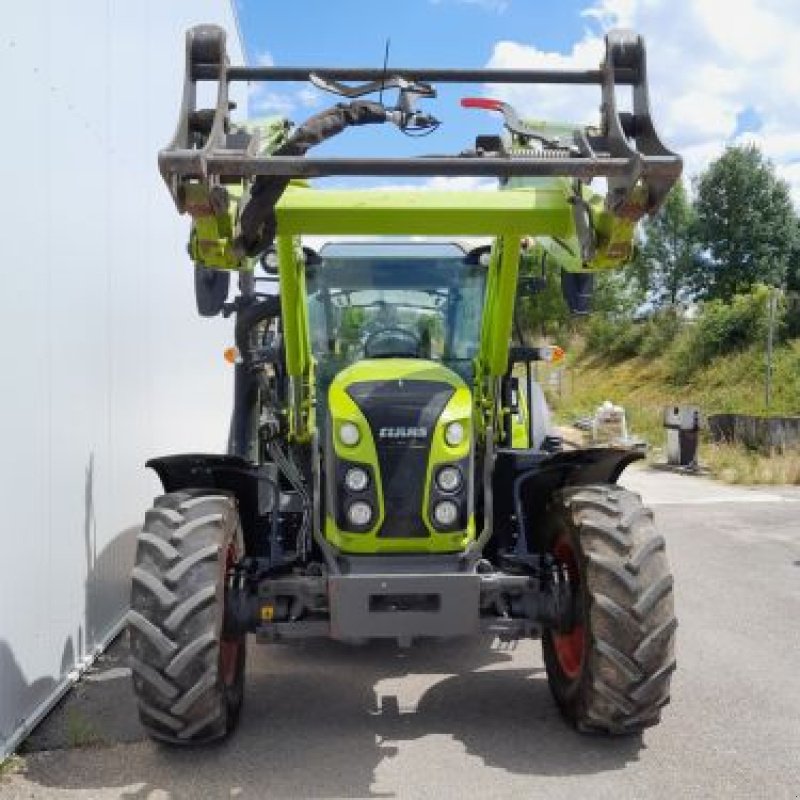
[385,65]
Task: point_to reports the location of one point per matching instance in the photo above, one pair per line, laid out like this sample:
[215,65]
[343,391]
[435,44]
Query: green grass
[735,464]
[732,383]
[11,766]
[81,731]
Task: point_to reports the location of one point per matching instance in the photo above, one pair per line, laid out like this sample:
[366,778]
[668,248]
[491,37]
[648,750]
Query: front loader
[388,473]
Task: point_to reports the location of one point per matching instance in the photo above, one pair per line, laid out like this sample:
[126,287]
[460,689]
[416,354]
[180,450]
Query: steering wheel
[392,341]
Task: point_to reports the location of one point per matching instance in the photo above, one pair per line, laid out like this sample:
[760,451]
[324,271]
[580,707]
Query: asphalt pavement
[475,718]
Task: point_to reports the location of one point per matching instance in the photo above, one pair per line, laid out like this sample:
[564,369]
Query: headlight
[359,514]
[454,434]
[356,479]
[445,513]
[349,434]
[448,479]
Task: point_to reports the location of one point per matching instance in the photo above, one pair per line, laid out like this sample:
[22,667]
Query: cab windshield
[389,300]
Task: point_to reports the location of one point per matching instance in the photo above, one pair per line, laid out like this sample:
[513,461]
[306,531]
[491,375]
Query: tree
[793,273]
[618,294]
[746,224]
[666,260]
[545,313]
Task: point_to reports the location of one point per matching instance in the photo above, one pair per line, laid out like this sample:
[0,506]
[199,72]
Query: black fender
[253,487]
[525,480]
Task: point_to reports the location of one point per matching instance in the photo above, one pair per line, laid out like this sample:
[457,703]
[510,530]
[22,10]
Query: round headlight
[448,479]
[356,479]
[349,434]
[454,434]
[445,513]
[359,514]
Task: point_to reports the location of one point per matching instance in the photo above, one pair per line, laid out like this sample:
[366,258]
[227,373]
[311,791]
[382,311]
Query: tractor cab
[395,333]
[382,300]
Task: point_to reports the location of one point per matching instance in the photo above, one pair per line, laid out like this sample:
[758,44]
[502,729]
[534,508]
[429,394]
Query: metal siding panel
[107,362]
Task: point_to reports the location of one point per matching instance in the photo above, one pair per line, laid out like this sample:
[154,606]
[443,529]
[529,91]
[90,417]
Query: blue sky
[448,32]
[720,73]
[441,33]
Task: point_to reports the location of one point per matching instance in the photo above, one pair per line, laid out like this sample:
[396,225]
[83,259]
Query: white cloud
[709,62]
[297,105]
[265,59]
[308,96]
[571,104]
[263,99]
[267,102]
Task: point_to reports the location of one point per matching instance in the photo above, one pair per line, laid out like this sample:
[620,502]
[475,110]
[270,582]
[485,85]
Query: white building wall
[105,362]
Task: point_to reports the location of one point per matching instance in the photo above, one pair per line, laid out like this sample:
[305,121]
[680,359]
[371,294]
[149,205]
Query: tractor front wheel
[609,671]
[187,674]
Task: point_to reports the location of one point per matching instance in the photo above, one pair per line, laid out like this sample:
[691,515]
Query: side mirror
[268,261]
[311,257]
[578,288]
[210,290]
[478,255]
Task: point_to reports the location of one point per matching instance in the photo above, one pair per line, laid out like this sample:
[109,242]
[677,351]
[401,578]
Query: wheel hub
[570,646]
[229,648]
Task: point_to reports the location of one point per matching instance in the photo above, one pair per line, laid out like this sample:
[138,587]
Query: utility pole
[770,337]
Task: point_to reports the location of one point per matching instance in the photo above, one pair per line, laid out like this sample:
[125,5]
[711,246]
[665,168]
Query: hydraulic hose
[257,224]
[291,474]
[473,553]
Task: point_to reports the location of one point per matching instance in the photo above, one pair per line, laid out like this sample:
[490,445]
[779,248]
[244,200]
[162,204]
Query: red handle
[485,103]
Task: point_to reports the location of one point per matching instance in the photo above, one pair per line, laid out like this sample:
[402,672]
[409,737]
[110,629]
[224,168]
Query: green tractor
[391,472]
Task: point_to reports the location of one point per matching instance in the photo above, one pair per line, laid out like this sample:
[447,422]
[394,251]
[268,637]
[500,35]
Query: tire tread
[628,591]
[175,621]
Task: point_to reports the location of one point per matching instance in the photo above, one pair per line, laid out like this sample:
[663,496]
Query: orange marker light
[231,355]
[552,353]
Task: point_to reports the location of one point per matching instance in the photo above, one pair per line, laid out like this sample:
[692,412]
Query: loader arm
[209,155]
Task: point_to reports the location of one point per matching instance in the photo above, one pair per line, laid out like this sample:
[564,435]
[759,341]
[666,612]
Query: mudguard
[524,481]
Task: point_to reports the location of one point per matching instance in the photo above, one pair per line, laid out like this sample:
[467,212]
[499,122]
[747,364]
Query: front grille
[402,415]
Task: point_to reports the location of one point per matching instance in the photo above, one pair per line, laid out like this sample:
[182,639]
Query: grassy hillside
[729,383]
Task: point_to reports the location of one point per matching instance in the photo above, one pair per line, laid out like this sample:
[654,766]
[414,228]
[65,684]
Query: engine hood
[402,408]
[400,369]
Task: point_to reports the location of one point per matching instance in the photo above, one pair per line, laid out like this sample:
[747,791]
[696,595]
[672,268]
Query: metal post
[770,336]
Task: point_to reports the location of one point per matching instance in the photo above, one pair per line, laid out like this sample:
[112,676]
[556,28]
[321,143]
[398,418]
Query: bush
[612,339]
[621,339]
[628,342]
[791,316]
[720,329]
[599,333]
[660,333]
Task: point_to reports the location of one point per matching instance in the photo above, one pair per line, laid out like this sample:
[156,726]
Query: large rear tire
[187,676]
[611,671]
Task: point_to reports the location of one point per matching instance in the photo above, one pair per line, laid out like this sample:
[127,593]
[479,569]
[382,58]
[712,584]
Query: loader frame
[625,148]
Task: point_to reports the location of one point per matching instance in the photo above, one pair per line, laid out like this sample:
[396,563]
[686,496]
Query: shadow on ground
[321,717]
